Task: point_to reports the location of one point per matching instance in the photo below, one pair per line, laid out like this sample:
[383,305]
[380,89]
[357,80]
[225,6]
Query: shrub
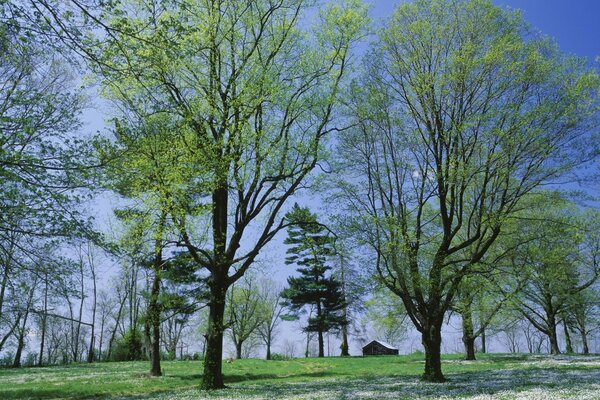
[280,357]
[129,347]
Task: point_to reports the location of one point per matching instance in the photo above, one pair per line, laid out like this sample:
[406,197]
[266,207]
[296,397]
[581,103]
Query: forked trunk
[584,342]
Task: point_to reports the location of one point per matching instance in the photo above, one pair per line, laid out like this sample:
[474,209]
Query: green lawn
[491,377]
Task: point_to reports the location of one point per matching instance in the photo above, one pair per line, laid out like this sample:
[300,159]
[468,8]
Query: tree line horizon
[441,155]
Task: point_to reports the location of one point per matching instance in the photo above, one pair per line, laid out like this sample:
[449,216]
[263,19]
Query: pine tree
[311,247]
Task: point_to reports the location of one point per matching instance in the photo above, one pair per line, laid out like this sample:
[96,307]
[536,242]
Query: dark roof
[384,344]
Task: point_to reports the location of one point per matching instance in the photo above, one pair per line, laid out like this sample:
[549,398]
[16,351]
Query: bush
[279,357]
[7,359]
[30,359]
[129,347]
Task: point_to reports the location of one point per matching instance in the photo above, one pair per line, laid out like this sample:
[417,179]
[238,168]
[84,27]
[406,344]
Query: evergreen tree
[311,247]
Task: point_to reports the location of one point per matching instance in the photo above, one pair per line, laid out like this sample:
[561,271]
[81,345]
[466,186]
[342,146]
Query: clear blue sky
[574,24]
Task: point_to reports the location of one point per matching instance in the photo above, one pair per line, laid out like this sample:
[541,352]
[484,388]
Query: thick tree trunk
[553,337]
[432,342]
[483,343]
[238,350]
[468,337]
[212,377]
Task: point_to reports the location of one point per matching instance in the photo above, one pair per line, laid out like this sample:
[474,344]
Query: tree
[311,247]
[257,93]
[461,113]
[555,265]
[387,316]
[42,162]
[243,309]
[271,310]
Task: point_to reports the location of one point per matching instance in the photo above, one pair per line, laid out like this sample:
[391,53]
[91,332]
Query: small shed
[379,348]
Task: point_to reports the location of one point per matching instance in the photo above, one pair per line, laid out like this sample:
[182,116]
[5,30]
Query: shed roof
[384,344]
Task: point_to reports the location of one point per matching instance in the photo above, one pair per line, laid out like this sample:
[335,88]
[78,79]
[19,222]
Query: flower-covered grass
[393,377]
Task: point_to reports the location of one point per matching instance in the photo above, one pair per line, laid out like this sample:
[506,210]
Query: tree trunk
[268,348]
[554,349]
[344,345]
[468,337]
[483,344]
[321,344]
[569,343]
[432,342]
[238,350]
[212,377]
[584,341]
[21,341]
[44,320]
[154,314]
[320,332]
[91,351]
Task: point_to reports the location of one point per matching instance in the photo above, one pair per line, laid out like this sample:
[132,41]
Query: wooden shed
[379,348]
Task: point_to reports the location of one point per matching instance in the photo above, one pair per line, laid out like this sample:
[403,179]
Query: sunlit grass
[491,377]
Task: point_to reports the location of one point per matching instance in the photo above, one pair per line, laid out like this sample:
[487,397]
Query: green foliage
[387,315]
[43,157]
[311,247]
[128,347]
[280,357]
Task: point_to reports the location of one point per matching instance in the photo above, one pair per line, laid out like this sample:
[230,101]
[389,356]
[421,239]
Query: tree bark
[553,337]
[44,320]
[91,351]
[344,346]
[483,341]
[268,348]
[238,350]
[569,343]
[321,344]
[154,314]
[212,377]
[21,339]
[584,341]
[432,342]
[468,337]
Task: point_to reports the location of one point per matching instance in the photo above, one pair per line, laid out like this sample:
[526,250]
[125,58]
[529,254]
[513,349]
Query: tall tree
[256,91]
[311,249]
[461,112]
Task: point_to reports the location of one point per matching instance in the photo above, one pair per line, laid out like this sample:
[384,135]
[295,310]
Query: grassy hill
[395,377]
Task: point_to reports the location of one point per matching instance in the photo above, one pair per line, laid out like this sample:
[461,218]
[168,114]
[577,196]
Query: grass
[491,377]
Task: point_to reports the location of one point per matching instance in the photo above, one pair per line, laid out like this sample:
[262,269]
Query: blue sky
[574,24]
